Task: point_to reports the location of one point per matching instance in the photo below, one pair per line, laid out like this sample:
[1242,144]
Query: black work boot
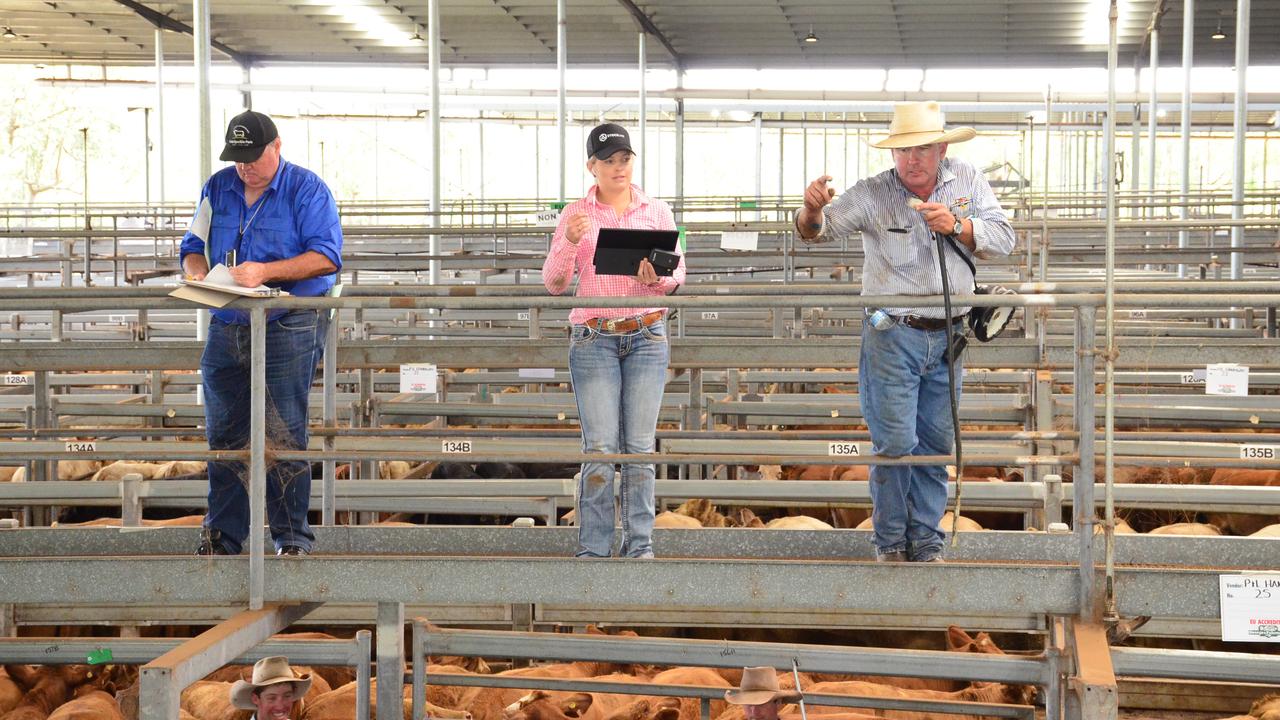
[211,543]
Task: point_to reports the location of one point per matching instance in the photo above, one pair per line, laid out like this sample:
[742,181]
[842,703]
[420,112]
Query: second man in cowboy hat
[902,370]
[272,691]
[759,694]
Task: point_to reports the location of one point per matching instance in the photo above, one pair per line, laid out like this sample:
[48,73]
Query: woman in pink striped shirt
[617,356]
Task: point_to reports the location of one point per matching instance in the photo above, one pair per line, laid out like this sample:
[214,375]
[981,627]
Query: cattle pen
[1114,520]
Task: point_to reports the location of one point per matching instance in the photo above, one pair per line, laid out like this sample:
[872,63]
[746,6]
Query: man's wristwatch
[958,230]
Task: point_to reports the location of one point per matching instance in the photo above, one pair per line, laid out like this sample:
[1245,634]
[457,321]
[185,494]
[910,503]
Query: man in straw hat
[902,372]
[759,694]
[272,691]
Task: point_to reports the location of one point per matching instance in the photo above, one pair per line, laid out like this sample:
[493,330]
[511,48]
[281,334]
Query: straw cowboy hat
[920,123]
[268,671]
[759,685]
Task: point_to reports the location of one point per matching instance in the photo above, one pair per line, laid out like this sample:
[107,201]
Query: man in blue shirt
[272,223]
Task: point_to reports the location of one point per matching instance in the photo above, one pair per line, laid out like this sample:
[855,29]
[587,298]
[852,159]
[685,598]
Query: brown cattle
[1266,707]
[669,519]
[46,688]
[211,701]
[978,692]
[1185,529]
[340,704]
[94,705]
[691,708]
[1241,523]
[10,692]
[184,521]
[798,522]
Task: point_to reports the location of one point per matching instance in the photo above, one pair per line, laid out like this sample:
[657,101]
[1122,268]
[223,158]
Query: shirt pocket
[270,239]
[899,248]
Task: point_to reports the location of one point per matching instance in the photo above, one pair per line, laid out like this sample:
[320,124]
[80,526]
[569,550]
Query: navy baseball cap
[607,139]
[248,134]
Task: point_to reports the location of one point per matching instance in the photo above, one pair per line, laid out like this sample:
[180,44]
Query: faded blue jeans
[295,343]
[618,382]
[902,385]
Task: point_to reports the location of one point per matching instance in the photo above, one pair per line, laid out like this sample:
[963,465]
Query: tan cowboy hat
[268,671]
[920,123]
[759,685]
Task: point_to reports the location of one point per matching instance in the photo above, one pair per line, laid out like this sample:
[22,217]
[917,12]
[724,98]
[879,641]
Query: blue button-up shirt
[907,263]
[296,214]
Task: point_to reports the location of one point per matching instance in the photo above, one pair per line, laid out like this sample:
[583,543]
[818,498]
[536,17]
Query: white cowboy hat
[759,685]
[920,123]
[268,671]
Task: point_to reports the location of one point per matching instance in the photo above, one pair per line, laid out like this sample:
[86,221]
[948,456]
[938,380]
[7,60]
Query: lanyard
[244,227]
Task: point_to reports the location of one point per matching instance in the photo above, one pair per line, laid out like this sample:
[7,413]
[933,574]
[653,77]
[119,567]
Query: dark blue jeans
[902,384]
[295,343]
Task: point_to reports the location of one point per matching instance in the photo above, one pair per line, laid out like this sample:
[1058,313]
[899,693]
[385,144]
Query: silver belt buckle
[611,325]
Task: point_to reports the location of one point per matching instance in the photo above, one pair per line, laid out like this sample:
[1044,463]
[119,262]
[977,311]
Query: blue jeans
[618,382]
[295,343]
[902,385]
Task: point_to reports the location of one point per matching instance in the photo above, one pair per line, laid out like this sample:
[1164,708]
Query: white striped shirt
[907,264]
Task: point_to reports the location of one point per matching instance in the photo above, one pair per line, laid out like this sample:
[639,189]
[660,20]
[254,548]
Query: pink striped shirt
[644,213]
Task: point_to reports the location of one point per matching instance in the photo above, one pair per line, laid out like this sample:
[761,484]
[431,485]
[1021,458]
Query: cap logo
[605,136]
[240,136]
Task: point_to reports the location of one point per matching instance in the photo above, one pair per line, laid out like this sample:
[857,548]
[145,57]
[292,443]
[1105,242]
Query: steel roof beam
[164,22]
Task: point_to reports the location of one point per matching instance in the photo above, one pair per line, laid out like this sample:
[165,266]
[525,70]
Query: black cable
[951,378]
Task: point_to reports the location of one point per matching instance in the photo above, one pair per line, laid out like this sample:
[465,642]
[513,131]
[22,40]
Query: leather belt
[625,324]
[924,323]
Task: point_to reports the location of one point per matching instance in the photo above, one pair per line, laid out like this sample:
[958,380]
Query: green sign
[558,205]
[683,247]
[747,204]
[100,656]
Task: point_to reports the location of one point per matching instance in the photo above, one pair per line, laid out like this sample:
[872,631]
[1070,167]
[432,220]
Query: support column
[160,114]
[1135,147]
[759,128]
[1082,486]
[204,110]
[328,477]
[562,113]
[1240,130]
[257,449]
[433,62]
[246,81]
[679,145]
[1188,46]
[1152,126]
[390,649]
[644,115]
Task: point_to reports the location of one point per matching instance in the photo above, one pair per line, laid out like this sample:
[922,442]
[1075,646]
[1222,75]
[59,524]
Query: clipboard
[218,289]
[620,250]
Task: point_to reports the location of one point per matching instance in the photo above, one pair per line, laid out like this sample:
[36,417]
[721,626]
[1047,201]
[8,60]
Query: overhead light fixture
[1218,34]
[811,38]
[417,33]
[9,34]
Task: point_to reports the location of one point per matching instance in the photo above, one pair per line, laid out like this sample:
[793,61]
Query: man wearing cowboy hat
[902,370]
[759,694]
[273,690]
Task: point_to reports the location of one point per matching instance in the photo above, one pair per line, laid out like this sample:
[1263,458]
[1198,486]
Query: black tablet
[619,250]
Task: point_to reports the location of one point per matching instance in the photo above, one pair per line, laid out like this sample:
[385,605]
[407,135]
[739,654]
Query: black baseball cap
[607,139]
[248,134]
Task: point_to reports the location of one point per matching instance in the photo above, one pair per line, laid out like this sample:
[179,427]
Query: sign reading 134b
[455,446]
